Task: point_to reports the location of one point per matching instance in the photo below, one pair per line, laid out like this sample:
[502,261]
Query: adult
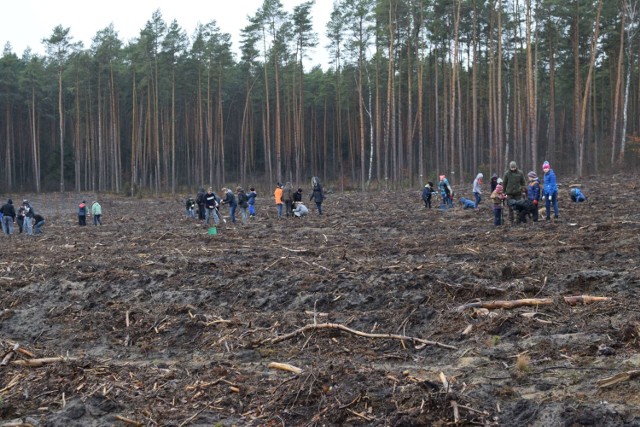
[200,201]
[243,203]
[211,202]
[83,210]
[39,222]
[277,195]
[317,194]
[287,198]
[230,199]
[550,191]
[96,211]
[514,184]
[300,210]
[8,217]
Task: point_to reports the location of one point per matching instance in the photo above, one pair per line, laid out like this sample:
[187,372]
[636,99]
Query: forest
[415,88]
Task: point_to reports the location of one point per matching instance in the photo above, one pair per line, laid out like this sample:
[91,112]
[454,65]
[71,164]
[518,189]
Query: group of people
[521,195]
[26,217]
[292,200]
[207,204]
[83,212]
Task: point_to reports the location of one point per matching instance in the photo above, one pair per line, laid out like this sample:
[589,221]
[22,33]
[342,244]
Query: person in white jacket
[300,210]
[477,188]
[96,212]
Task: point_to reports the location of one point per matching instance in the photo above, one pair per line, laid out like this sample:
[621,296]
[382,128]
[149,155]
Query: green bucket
[213,230]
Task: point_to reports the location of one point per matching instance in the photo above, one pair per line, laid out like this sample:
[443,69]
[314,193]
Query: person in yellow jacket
[277,194]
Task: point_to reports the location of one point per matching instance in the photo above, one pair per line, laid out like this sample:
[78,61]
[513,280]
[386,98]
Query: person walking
[252,201]
[514,184]
[277,195]
[317,195]
[550,191]
[96,211]
[8,217]
[83,210]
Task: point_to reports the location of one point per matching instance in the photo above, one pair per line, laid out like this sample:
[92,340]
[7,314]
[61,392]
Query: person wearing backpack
[83,210]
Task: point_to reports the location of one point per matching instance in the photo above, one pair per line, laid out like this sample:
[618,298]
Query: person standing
[446,192]
[287,198]
[533,193]
[190,206]
[211,204]
[277,195]
[252,201]
[426,194]
[83,210]
[8,217]
[96,211]
[27,224]
[514,184]
[477,188]
[317,194]
[200,201]
[550,191]
[243,203]
[230,199]
[494,182]
[498,198]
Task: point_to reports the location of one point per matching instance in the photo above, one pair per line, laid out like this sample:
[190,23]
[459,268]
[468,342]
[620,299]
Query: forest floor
[356,317]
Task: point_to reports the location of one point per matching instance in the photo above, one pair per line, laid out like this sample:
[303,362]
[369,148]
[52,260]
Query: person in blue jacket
[252,202]
[533,193]
[446,192]
[468,204]
[577,195]
[550,192]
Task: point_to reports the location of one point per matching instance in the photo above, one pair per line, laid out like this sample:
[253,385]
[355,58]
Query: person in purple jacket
[550,192]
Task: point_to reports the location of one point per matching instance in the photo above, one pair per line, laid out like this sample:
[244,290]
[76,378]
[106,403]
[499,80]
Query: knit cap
[532,175]
[546,165]
[498,188]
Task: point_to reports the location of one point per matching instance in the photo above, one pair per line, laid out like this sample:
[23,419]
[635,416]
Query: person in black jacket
[8,217]
[318,194]
[230,199]
[39,222]
[211,203]
[200,199]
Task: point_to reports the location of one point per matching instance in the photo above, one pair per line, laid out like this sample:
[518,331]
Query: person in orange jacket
[277,194]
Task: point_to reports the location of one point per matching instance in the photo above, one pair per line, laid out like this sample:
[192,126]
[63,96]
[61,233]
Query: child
[577,196]
[446,192]
[477,188]
[252,201]
[426,194]
[494,182]
[468,204]
[243,203]
[190,205]
[533,193]
[498,198]
[83,210]
[550,191]
[277,194]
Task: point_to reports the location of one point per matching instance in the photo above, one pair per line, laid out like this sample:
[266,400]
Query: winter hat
[513,165]
[498,188]
[546,165]
[532,175]
[500,181]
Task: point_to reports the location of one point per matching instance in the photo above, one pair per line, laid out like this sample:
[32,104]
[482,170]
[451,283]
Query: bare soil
[148,320]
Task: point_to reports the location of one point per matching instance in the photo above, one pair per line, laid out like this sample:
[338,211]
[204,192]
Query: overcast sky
[24,23]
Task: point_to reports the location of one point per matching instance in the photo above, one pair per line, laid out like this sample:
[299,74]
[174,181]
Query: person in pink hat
[550,191]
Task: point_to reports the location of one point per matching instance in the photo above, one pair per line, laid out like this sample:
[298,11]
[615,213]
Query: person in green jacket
[96,211]
[513,183]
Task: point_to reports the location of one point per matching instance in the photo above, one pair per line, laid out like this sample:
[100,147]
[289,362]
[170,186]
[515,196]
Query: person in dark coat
[514,184]
[200,201]
[230,199]
[427,193]
[318,193]
[8,217]
[83,210]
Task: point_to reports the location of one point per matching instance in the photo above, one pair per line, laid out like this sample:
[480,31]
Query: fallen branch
[128,421]
[35,363]
[285,367]
[571,300]
[340,327]
[618,378]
